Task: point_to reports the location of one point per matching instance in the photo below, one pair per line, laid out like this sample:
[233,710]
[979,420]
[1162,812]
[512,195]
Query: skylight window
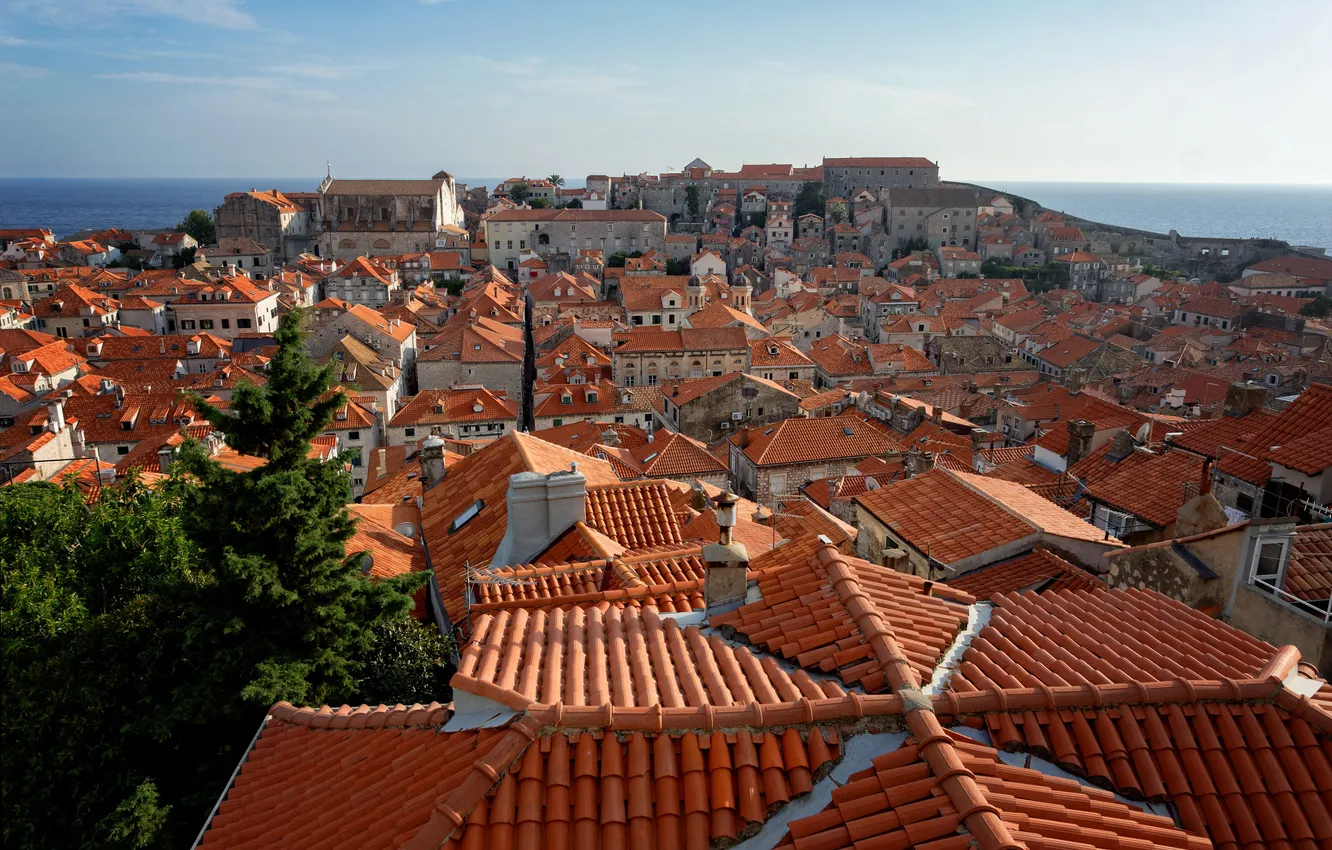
[467,515]
[847,431]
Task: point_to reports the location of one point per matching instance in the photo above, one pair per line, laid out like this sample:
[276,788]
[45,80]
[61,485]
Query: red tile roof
[805,615]
[1153,488]
[1309,574]
[793,441]
[1040,569]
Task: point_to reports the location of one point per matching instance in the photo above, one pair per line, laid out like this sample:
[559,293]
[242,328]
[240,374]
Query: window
[206,324]
[226,323]
[187,324]
[122,450]
[556,422]
[467,515]
[242,323]
[1268,562]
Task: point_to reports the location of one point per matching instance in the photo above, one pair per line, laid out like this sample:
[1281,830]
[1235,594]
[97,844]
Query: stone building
[369,217]
[770,463]
[708,409]
[843,176]
[941,216]
[650,356]
[565,232]
[268,218]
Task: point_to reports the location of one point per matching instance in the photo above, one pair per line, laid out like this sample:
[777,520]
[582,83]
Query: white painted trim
[857,754]
[978,617]
[476,712]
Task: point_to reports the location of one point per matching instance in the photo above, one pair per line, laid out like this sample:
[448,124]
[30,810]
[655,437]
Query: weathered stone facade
[742,402]
[372,217]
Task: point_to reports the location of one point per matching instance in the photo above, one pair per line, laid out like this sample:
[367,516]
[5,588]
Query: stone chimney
[541,508]
[725,585]
[1203,512]
[1074,379]
[1121,447]
[381,463]
[916,462]
[1244,397]
[432,461]
[978,438]
[164,457]
[936,415]
[1080,433]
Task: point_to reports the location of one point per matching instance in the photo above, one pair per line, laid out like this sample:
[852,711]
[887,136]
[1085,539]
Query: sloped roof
[803,440]
[1038,569]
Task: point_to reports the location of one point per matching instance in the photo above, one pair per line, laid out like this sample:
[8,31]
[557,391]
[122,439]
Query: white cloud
[25,72]
[224,14]
[10,41]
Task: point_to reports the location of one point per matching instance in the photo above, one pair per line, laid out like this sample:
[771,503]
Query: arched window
[543,239]
[346,243]
[381,244]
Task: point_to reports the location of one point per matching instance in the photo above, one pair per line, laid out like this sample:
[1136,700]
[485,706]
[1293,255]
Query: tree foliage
[692,202]
[678,267]
[91,635]
[538,203]
[408,663]
[183,258]
[810,198]
[555,180]
[574,204]
[146,634]
[518,192]
[837,213]
[1318,308]
[199,224]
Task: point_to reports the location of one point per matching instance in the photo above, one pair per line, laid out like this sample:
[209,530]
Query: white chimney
[541,508]
[55,415]
[381,471]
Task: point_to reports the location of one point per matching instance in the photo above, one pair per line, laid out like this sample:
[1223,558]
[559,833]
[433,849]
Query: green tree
[90,639]
[185,257]
[199,224]
[538,203]
[408,663]
[574,204]
[692,201]
[518,192]
[285,612]
[677,267]
[1318,308]
[810,198]
[555,180]
[837,213]
[145,634]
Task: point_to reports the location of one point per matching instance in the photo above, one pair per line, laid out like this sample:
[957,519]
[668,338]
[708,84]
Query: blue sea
[68,205]
[1301,215]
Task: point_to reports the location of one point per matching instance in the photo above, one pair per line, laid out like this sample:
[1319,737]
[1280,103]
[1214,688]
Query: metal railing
[1321,610]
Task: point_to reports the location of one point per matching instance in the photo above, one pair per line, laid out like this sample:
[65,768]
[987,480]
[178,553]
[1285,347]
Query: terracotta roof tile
[1039,569]
[484,477]
[636,514]
[1309,574]
[1152,489]
[585,656]
[812,440]
[809,614]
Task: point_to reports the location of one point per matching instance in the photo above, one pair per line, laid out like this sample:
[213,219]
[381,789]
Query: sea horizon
[1300,214]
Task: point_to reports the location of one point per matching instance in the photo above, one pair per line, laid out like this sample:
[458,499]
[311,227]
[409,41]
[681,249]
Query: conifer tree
[273,540]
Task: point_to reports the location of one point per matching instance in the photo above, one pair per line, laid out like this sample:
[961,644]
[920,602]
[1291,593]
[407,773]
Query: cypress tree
[285,613]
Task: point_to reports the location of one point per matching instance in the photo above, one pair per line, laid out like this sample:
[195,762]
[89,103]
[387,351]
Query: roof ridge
[451,811]
[361,716]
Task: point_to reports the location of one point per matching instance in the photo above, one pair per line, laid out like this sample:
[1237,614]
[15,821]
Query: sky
[1224,91]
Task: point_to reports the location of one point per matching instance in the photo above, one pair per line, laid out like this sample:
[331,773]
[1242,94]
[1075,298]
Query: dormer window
[566,398]
[439,408]
[591,396]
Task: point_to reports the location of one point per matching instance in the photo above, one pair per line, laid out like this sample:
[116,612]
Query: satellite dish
[367,562]
[871,484]
[406,529]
